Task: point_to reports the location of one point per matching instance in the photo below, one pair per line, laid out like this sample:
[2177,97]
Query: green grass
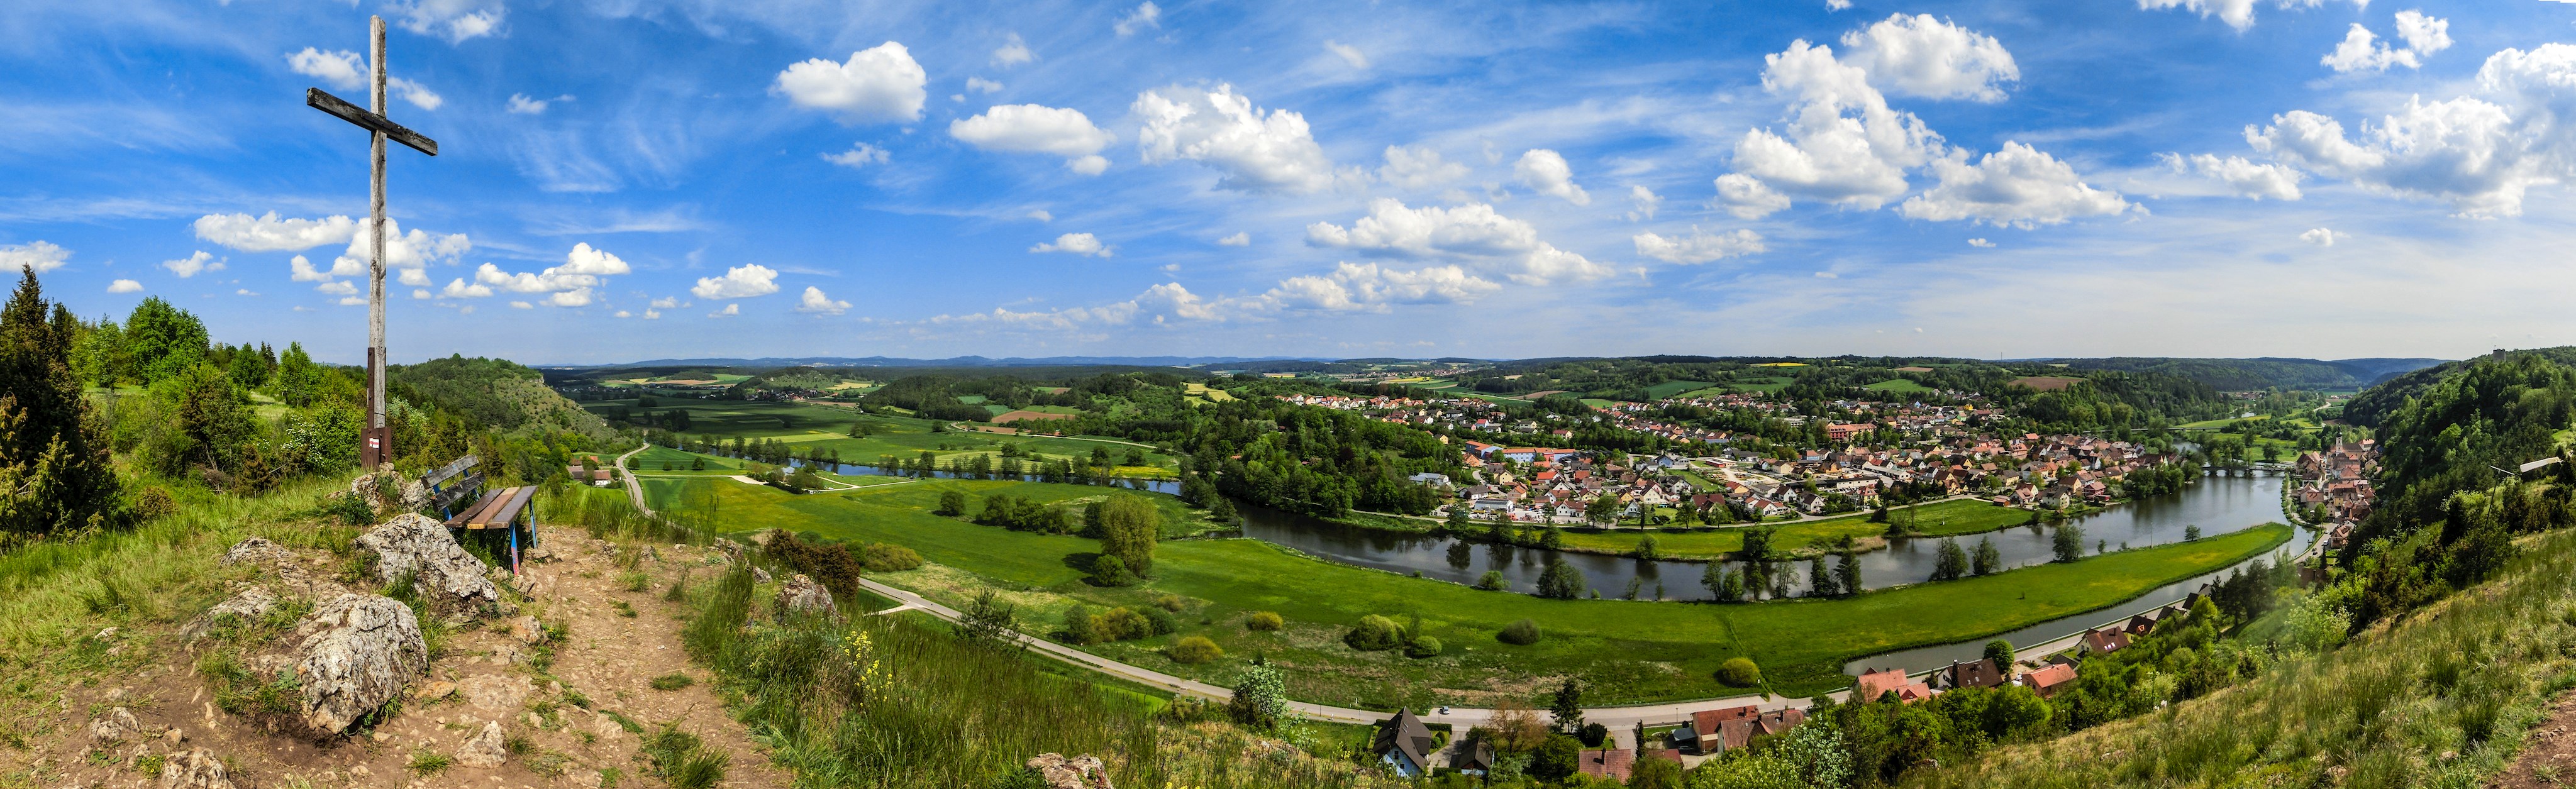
[1670,388]
[1940,519]
[1630,651]
[1905,385]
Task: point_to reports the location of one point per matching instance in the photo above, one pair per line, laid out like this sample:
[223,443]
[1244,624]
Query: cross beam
[318,99]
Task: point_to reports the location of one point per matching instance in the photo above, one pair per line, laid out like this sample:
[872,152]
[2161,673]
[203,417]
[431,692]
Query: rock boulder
[496,692]
[194,769]
[113,726]
[358,652]
[442,571]
[485,749]
[802,595]
[1080,772]
[245,606]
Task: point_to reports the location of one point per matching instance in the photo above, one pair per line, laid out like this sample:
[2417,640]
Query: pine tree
[54,467]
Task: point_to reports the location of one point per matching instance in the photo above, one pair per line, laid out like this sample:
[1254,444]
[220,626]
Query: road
[1615,718]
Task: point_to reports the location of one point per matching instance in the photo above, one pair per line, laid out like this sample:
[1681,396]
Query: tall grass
[607,513]
[2439,700]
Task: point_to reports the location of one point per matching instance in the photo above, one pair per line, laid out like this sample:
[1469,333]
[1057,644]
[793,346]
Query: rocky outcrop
[495,692]
[442,571]
[527,630]
[248,605]
[194,769]
[407,492]
[358,652]
[259,551]
[802,595]
[113,726]
[1080,772]
[485,749]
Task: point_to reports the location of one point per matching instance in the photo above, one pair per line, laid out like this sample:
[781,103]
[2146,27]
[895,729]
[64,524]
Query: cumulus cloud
[1145,16]
[1034,128]
[1699,247]
[2362,51]
[125,286]
[416,249]
[2479,153]
[2424,35]
[454,20]
[652,315]
[572,284]
[982,85]
[1239,239]
[1370,287]
[1473,235]
[1258,152]
[38,256]
[859,155]
[1418,167]
[418,94]
[2018,186]
[1012,52]
[1084,244]
[459,289]
[1646,202]
[1844,145]
[2248,179]
[268,233]
[1041,215]
[666,302]
[1981,243]
[2320,237]
[520,104]
[815,302]
[729,311]
[1923,56]
[340,69]
[2237,14]
[738,282]
[877,85]
[189,266]
[521,305]
[1349,54]
[1545,172]
[1837,5]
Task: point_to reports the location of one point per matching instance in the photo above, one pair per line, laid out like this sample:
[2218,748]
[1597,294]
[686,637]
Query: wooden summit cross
[378,445]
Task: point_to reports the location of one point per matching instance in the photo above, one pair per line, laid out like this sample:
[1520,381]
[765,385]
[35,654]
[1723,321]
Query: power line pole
[378,444]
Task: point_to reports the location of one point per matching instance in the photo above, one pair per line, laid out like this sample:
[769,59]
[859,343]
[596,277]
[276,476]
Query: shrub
[879,557]
[1078,626]
[1170,602]
[1111,571]
[1523,632]
[1423,647]
[1160,621]
[673,681]
[153,502]
[1739,672]
[1264,621]
[1121,624]
[1195,649]
[1493,581]
[1592,734]
[1374,633]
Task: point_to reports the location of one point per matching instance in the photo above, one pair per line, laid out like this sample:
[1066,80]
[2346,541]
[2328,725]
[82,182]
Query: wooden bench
[506,509]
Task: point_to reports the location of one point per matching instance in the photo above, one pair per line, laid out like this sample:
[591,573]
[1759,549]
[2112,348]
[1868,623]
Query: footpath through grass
[1629,651]
[1940,519]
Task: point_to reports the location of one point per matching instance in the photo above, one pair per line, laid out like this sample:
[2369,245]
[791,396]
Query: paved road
[634,490]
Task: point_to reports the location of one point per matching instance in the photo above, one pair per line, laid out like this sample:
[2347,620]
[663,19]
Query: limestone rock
[408,493]
[1081,772]
[803,596]
[486,749]
[435,690]
[358,652]
[194,769]
[605,727]
[442,570]
[113,725]
[760,576]
[495,691]
[248,605]
[527,630]
[259,551]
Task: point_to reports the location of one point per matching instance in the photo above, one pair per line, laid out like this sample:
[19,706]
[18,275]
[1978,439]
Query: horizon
[1976,180]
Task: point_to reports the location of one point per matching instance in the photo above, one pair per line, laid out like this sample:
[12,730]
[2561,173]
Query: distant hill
[2370,407]
[2262,373]
[959,361]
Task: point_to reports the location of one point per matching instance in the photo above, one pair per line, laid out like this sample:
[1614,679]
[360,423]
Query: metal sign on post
[378,446]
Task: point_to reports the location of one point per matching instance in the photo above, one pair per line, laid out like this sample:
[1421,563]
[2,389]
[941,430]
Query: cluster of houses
[2338,480]
[2046,676]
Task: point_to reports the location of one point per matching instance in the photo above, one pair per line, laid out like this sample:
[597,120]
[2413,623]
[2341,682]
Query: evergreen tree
[56,466]
[1988,560]
[1566,710]
[1847,574]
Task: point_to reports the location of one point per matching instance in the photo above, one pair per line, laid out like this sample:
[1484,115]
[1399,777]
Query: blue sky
[629,179]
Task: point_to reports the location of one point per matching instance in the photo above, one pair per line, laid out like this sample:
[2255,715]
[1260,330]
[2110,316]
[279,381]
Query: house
[603,478]
[1874,684]
[2048,680]
[2105,641]
[1473,757]
[2139,625]
[1432,478]
[1405,743]
[1981,673]
[1709,728]
[1612,763]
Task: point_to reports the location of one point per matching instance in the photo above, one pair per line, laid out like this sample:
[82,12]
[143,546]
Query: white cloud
[267,233]
[1349,54]
[982,85]
[2018,186]
[2238,14]
[1545,172]
[729,311]
[1981,243]
[1369,287]
[1472,234]
[2362,51]
[40,256]
[457,289]
[125,286]
[1239,239]
[420,293]
[2424,35]
[1145,16]
[666,302]
[1699,247]
[521,305]
[859,155]
[2320,237]
[1646,202]
[1259,153]
[572,284]
[652,315]
[1012,52]
[815,302]
[413,250]
[1828,275]
[1034,128]
[1084,244]
[340,69]
[520,104]
[338,288]
[622,314]
[243,292]
[1041,215]
[1923,56]
[189,266]
[2257,181]
[1857,160]
[878,85]
[418,94]
[454,20]
[1837,5]
[738,282]
[598,262]
[2478,153]
[1418,167]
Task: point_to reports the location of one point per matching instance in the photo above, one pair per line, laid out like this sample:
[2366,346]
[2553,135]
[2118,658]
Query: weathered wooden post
[378,444]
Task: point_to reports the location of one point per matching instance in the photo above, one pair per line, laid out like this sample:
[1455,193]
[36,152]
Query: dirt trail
[2548,757]
[604,657]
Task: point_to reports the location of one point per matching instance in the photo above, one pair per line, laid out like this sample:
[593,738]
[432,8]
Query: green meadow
[1939,519]
[810,427]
